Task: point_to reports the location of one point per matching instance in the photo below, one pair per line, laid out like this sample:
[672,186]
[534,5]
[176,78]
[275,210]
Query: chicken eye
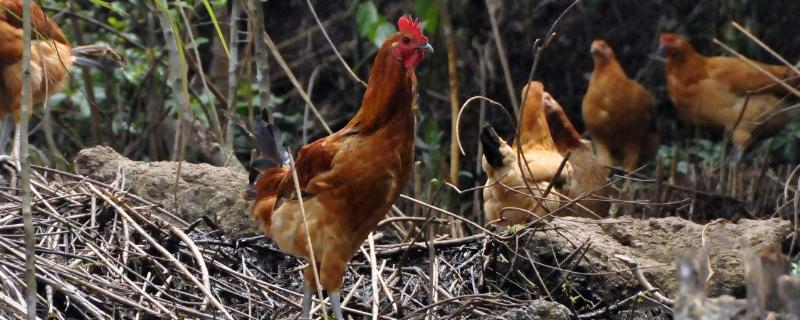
[406,40]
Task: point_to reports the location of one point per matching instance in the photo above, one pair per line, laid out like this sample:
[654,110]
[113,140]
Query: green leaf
[382,32]
[366,18]
[107,5]
[216,26]
[428,11]
[372,25]
[197,42]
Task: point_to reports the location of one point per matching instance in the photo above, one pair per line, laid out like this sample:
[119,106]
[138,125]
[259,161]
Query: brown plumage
[51,58]
[618,113]
[350,178]
[588,173]
[710,92]
[505,187]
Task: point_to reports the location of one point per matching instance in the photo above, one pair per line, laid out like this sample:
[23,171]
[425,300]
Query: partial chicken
[589,175]
[347,180]
[51,59]
[506,186]
[618,113]
[711,92]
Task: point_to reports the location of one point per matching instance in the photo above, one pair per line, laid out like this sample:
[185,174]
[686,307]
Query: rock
[202,189]
[653,243]
[789,290]
[537,309]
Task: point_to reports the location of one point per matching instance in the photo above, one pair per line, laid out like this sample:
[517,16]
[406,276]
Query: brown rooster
[51,58]
[588,174]
[711,92]
[618,113]
[348,180]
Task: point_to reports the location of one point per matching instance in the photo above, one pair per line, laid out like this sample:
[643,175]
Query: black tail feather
[270,153]
[491,146]
[269,142]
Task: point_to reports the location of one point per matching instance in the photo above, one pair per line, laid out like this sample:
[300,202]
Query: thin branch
[294,81]
[501,54]
[26,102]
[761,69]
[311,256]
[765,47]
[335,51]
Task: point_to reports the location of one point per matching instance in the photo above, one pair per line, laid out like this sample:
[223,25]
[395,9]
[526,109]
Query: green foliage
[373,25]
[783,144]
[428,12]
[433,150]
[107,5]
[512,228]
[697,149]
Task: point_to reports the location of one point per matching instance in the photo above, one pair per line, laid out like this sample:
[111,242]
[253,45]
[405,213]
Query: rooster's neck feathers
[389,95]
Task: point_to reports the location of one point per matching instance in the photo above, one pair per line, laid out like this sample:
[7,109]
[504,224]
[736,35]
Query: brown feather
[50,56]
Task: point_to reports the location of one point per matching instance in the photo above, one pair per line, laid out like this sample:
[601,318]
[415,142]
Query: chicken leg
[13,157]
[336,307]
[5,133]
[308,296]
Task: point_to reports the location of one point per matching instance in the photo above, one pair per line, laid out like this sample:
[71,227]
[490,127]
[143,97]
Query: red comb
[408,24]
[668,37]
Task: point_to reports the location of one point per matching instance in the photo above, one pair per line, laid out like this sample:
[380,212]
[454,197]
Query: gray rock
[789,289]
[201,190]
[654,244]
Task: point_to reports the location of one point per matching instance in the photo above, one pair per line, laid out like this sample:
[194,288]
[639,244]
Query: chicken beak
[661,51]
[593,49]
[426,47]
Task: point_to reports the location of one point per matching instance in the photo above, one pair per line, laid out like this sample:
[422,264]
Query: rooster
[347,180]
[589,175]
[712,92]
[618,113]
[52,56]
[506,186]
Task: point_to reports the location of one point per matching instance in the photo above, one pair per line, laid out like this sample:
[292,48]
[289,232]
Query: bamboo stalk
[452,63]
[26,102]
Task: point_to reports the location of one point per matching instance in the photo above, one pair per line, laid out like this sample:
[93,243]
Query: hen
[348,180]
[618,113]
[588,175]
[505,188]
[711,92]
[51,58]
